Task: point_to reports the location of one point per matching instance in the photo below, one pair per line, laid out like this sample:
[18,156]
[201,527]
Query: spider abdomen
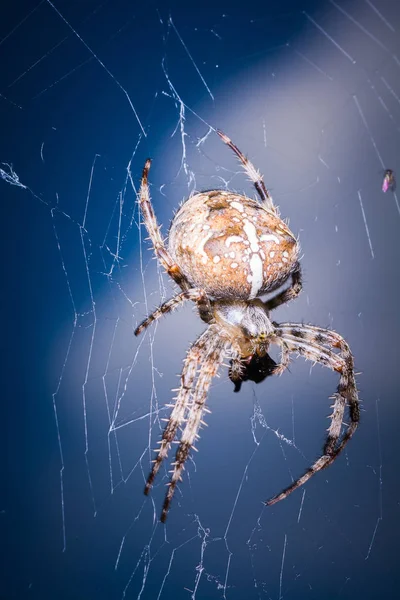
[231,246]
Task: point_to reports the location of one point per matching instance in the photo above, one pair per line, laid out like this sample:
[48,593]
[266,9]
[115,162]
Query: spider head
[247,324]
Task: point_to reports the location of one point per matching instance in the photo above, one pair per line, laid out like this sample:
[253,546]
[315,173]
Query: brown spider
[224,251]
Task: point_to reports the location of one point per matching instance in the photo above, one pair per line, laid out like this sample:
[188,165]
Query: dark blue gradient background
[311,92]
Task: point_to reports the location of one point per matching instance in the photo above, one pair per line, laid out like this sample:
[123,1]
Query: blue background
[311,92]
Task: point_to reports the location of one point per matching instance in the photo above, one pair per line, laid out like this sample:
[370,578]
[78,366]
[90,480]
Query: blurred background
[311,93]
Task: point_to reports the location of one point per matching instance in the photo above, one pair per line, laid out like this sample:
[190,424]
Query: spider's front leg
[317,345]
[214,352]
[194,356]
[208,353]
[153,229]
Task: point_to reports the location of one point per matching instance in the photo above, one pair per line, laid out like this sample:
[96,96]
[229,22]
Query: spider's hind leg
[153,229]
[253,174]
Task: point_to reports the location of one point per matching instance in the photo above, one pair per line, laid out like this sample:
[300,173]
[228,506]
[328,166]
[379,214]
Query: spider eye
[262,336]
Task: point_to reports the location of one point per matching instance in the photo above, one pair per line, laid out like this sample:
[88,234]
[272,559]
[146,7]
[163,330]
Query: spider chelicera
[225,250]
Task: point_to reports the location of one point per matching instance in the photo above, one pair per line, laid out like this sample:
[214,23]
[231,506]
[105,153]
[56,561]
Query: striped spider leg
[166,260]
[318,345]
[210,350]
[150,221]
[253,174]
[202,362]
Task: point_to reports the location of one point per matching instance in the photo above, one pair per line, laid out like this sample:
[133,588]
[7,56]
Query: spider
[225,250]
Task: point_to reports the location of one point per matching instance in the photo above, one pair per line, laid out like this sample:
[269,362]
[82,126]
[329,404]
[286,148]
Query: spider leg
[153,229]
[316,337]
[194,294]
[290,294]
[196,354]
[215,351]
[309,341]
[254,175]
[285,359]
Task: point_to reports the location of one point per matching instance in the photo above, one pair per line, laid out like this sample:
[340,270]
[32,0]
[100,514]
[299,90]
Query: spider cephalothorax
[225,250]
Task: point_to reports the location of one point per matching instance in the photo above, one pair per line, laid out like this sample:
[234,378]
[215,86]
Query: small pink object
[389,182]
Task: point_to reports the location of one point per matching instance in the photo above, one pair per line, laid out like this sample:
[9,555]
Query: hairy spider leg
[194,294]
[153,229]
[285,359]
[289,294]
[177,416]
[197,353]
[214,351]
[307,341]
[253,174]
[318,335]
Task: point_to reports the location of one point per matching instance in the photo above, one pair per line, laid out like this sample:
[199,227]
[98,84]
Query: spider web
[89,90]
